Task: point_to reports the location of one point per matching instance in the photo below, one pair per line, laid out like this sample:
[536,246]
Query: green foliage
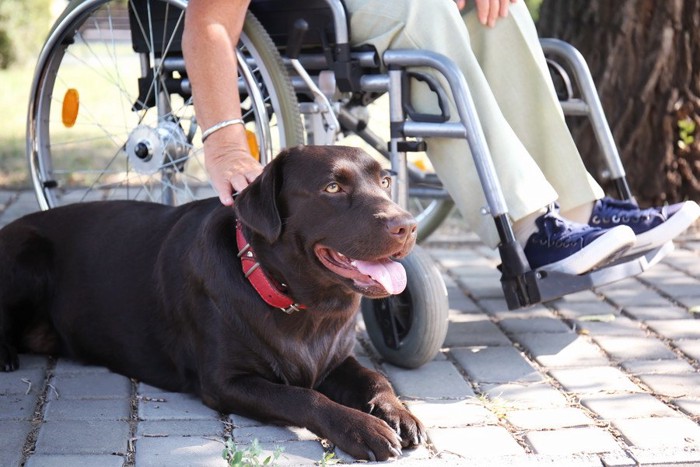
[534,7]
[328,459]
[686,132]
[24,25]
[248,456]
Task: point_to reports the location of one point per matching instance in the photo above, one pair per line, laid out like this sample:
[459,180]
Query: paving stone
[690,303]
[594,380]
[418,456]
[532,312]
[58,460]
[481,287]
[65,365]
[679,286]
[272,434]
[666,456]
[21,204]
[458,302]
[578,310]
[659,432]
[162,428]
[475,442]
[239,421]
[634,348]
[548,419]
[13,434]
[646,313]
[297,453]
[627,406]
[174,405]
[82,437]
[674,385]
[651,367]
[90,385]
[572,441]
[494,306]
[582,296]
[634,297]
[434,380]
[524,396]
[21,381]
[17,406]
[558,350]
[690,347]
[31,362]
[450,414]
[684,260]
[689,405]
[618,326]
[88,409]
[677,328]
[472,330]
[533,324]
[495,364]
[179,451]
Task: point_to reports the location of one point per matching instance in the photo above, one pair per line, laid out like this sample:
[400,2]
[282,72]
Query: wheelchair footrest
[542,286]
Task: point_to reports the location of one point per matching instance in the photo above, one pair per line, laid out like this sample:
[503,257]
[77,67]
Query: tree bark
[644,56]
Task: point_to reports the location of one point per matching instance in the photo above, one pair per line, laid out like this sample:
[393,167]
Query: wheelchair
[300,82]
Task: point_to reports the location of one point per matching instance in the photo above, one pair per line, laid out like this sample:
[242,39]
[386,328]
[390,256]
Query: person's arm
[212,29]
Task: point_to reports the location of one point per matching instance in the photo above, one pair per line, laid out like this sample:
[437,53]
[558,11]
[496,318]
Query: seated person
[560,215]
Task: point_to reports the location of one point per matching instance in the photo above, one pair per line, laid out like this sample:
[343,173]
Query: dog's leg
[358,387]
[359,434]
[25,263]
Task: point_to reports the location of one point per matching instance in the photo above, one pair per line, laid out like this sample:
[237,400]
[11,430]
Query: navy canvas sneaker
[564,246]
[653,226]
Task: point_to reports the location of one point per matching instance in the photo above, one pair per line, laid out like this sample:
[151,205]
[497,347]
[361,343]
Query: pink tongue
[390,274]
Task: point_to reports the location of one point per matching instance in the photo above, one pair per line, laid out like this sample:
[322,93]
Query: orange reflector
[420,163]
[71,104]
[253,144]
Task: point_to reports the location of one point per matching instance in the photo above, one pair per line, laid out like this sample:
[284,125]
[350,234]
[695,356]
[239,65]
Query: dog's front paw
[404,423]
[362,436]
[9,361]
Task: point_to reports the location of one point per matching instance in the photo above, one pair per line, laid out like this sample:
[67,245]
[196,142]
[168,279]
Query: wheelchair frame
[323,66]
[521,285]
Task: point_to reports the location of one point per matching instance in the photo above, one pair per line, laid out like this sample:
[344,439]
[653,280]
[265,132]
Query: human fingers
[503,11]
[488,11]
[231,172]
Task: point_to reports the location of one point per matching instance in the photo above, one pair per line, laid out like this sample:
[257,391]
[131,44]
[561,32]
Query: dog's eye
[332,188]
[386,182]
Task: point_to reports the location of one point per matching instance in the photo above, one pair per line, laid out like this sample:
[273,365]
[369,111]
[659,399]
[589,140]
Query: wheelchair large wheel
[409,329]
[111,113]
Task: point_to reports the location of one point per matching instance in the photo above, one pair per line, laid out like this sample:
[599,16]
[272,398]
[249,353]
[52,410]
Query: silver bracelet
[234,121]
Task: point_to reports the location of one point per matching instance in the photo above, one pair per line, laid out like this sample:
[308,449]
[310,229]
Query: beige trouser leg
[436,25]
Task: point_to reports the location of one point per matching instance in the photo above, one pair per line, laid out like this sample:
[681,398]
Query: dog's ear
[256,206]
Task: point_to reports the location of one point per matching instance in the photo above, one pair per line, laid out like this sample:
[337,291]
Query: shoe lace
[616,211]
[558,232]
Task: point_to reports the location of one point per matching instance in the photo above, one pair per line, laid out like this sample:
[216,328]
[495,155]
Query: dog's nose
[402,227]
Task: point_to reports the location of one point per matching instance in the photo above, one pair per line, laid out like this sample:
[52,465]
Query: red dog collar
[263,285]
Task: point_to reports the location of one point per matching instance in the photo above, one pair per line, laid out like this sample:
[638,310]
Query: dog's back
[45,259]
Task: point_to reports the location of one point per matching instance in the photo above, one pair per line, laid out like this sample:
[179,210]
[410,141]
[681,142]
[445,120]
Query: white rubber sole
[609,246]
[673,227]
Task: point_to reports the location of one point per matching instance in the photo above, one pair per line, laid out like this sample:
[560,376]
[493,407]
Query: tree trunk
[644,56]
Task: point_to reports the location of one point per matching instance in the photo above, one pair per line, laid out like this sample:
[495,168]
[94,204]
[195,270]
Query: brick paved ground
[607,377]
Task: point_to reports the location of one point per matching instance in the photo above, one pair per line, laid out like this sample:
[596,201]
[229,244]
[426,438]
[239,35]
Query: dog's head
[332,204]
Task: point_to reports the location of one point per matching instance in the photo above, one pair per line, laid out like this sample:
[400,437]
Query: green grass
[14,94]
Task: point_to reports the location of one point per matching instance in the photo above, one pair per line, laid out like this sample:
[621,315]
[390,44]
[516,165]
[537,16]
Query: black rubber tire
[421,315]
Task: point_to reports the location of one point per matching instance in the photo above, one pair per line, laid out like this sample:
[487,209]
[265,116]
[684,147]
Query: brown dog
[159,294]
